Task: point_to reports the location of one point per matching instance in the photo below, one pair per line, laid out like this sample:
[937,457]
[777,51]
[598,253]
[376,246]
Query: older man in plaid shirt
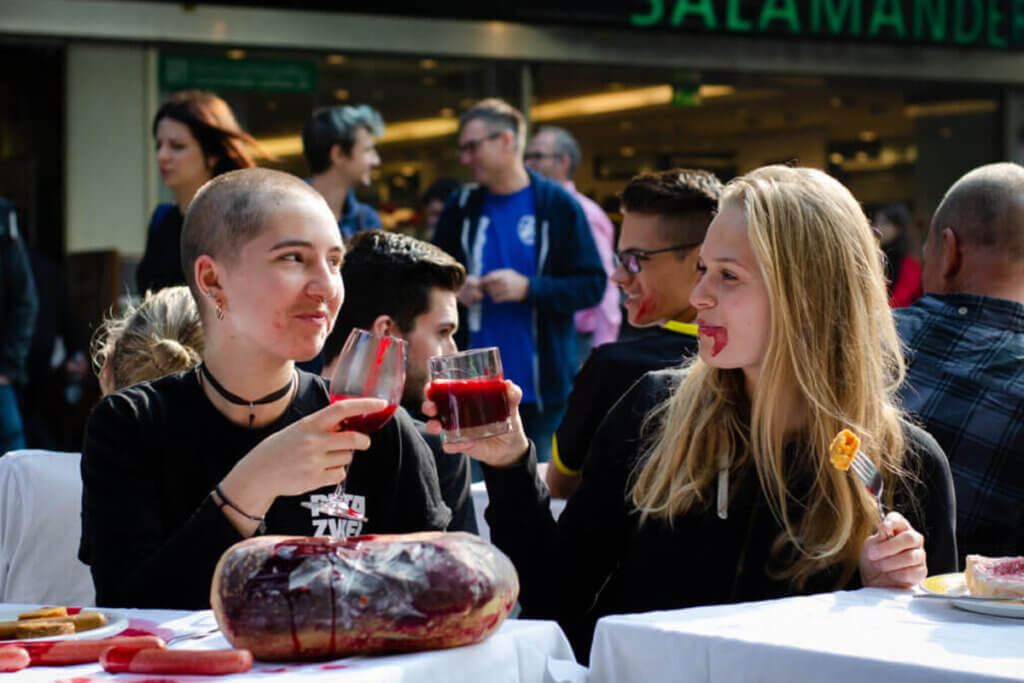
[965,376]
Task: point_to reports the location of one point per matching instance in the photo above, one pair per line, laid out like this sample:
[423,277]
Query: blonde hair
[832,343]
[162,335]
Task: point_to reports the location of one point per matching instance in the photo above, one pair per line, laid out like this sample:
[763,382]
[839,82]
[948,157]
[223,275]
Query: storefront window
[627,119]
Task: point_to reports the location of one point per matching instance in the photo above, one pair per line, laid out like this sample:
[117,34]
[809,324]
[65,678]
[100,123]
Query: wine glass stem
[339,490]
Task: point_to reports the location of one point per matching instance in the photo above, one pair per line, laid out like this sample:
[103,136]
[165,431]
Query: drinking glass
[369,366]
[469,391]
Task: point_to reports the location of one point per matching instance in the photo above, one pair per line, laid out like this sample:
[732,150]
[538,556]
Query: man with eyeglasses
[554,153]
[530,260]
[665,217]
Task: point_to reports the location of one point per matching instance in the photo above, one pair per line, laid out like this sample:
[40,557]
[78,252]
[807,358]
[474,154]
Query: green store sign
[964,23]
[181,72]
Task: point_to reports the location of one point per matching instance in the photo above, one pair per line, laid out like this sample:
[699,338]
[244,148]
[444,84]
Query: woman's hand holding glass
[503,450]
[307,455]
[894,556]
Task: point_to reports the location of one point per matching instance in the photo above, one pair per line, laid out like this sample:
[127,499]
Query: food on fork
[843,449]
[294,598]
[995,577]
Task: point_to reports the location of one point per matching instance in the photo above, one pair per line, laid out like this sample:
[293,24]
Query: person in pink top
[554,153]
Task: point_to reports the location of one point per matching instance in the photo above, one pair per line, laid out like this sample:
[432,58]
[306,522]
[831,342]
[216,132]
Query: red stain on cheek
[647,305]
[719,335]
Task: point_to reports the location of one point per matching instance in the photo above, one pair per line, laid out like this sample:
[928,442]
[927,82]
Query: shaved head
[230,211]
[985,208]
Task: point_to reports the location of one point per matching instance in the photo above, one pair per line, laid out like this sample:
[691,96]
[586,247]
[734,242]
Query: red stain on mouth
[719,334]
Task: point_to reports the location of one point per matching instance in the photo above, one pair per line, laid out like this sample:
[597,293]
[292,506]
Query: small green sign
[685,96]
[180,72]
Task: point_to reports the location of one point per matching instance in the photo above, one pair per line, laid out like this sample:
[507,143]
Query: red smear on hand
[719,334]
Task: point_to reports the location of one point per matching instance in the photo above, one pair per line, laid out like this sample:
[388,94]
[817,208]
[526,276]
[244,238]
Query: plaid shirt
[965,382]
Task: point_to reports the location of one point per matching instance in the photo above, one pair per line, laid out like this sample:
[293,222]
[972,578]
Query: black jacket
[598,560]
[19,303]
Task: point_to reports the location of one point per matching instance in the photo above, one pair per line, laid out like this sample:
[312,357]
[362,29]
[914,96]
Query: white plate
[953,586]
[116,622]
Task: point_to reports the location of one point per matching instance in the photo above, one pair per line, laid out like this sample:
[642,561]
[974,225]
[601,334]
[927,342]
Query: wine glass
[369,366]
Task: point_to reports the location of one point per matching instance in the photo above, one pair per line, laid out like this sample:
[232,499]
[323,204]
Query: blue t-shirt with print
[509,241]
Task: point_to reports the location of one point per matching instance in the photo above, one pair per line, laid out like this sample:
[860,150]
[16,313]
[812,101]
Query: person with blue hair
[338,143]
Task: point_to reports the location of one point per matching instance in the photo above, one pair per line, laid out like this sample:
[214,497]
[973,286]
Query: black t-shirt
[153,452]
[598,560]
[455,478]
[608,373]
[161,263]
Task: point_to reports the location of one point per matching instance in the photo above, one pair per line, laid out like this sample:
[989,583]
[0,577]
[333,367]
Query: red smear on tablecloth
[334,667]
[279,670]
[145,627]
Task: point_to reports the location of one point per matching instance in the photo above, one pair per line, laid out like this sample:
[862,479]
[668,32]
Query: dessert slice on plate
[995,577]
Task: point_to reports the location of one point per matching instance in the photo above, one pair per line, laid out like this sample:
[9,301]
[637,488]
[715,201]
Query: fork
[861,465]
[191,636]
[868,473]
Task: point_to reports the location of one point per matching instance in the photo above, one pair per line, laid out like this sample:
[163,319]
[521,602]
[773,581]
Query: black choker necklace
[239,401]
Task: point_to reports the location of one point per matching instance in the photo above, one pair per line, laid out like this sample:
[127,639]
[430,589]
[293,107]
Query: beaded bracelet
[227,501]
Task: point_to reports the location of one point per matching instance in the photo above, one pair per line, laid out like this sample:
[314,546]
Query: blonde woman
[162,335]
[712,483]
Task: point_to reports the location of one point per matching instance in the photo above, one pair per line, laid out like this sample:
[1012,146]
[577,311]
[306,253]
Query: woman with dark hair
[197,138]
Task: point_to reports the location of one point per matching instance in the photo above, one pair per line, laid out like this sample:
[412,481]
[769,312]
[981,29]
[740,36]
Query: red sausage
[62,652]
[118,660]
[13,658]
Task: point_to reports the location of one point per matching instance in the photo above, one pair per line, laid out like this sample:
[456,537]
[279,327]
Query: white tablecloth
[520,651]
[872,635]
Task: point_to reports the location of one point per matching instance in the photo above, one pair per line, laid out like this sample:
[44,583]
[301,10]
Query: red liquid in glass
[464,403]
[367,423]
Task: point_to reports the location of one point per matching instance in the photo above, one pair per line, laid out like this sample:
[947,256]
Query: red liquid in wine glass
[367,423]
[465,403]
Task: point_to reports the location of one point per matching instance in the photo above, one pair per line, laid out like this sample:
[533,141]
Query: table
[871,634]
[520,650]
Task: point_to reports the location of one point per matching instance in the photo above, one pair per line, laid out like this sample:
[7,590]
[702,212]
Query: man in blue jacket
[530,260]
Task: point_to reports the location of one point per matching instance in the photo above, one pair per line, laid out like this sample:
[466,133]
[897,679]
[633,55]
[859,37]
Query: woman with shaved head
[178,469]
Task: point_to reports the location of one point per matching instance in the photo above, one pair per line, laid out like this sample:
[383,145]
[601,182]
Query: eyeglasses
[631,259]
[470,146]
[537,156]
